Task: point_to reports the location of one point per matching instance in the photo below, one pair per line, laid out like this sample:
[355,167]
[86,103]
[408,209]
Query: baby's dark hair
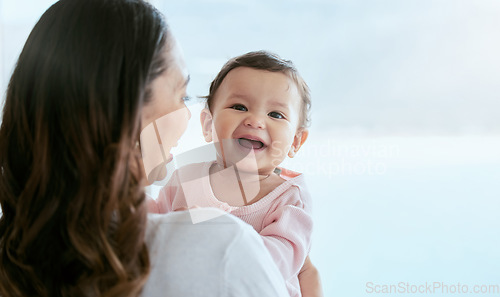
[263,60]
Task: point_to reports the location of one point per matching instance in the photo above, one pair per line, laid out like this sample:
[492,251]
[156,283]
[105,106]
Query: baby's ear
[206,124]
[298,140]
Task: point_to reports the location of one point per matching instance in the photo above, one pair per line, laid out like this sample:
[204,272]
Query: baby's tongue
[250,144]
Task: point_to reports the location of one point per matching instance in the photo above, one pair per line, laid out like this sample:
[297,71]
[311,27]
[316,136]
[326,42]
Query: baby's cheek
[279,149]
[278,154]
[216,131]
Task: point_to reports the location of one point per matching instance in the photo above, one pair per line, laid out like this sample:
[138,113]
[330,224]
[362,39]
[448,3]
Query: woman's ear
[298,140]
[206,124]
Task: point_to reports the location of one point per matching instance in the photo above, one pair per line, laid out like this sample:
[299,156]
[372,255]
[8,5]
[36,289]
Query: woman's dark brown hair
[71,194]
[264,60]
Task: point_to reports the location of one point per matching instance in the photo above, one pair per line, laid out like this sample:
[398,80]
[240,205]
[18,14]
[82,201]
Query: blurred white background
[403,159]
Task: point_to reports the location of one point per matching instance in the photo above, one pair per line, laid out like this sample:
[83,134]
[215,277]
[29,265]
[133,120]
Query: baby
[257,114]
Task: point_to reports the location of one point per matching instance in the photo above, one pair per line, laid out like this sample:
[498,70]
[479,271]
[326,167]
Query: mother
[91,76]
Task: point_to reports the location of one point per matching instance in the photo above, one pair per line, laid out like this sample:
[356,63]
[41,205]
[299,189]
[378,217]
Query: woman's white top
[222,256]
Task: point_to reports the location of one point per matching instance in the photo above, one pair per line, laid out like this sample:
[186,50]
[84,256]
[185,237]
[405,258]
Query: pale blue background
[403,159]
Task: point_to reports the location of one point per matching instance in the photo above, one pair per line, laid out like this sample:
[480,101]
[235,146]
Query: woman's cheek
[158,138]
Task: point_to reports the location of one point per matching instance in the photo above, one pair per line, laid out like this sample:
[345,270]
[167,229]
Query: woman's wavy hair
[71,190]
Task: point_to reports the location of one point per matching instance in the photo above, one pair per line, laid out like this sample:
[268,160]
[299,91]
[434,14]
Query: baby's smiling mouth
[250,144]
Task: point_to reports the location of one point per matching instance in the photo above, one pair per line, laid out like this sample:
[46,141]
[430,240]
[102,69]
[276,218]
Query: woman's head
[71,194]
[165,119]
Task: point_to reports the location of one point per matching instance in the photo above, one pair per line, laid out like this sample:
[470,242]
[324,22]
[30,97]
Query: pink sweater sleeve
[152,205]
[171,196]
[163,204]
[287,233]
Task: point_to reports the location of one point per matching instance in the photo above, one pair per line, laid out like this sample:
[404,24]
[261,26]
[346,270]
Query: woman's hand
[310,283]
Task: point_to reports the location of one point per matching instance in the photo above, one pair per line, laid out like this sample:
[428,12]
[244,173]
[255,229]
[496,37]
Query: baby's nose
[255,121]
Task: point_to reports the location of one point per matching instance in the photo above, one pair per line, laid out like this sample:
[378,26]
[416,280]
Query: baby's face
[255,110]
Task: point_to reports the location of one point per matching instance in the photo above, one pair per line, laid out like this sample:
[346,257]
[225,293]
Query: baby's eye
[239,107]
[276,115]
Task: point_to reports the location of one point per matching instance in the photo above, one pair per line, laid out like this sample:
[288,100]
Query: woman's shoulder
[201,252]
[209,225]
[202,216]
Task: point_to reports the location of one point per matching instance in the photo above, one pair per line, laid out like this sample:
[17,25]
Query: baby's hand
[310,283]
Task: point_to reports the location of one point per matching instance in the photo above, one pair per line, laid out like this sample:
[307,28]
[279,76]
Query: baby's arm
[310,283]
[287,234]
